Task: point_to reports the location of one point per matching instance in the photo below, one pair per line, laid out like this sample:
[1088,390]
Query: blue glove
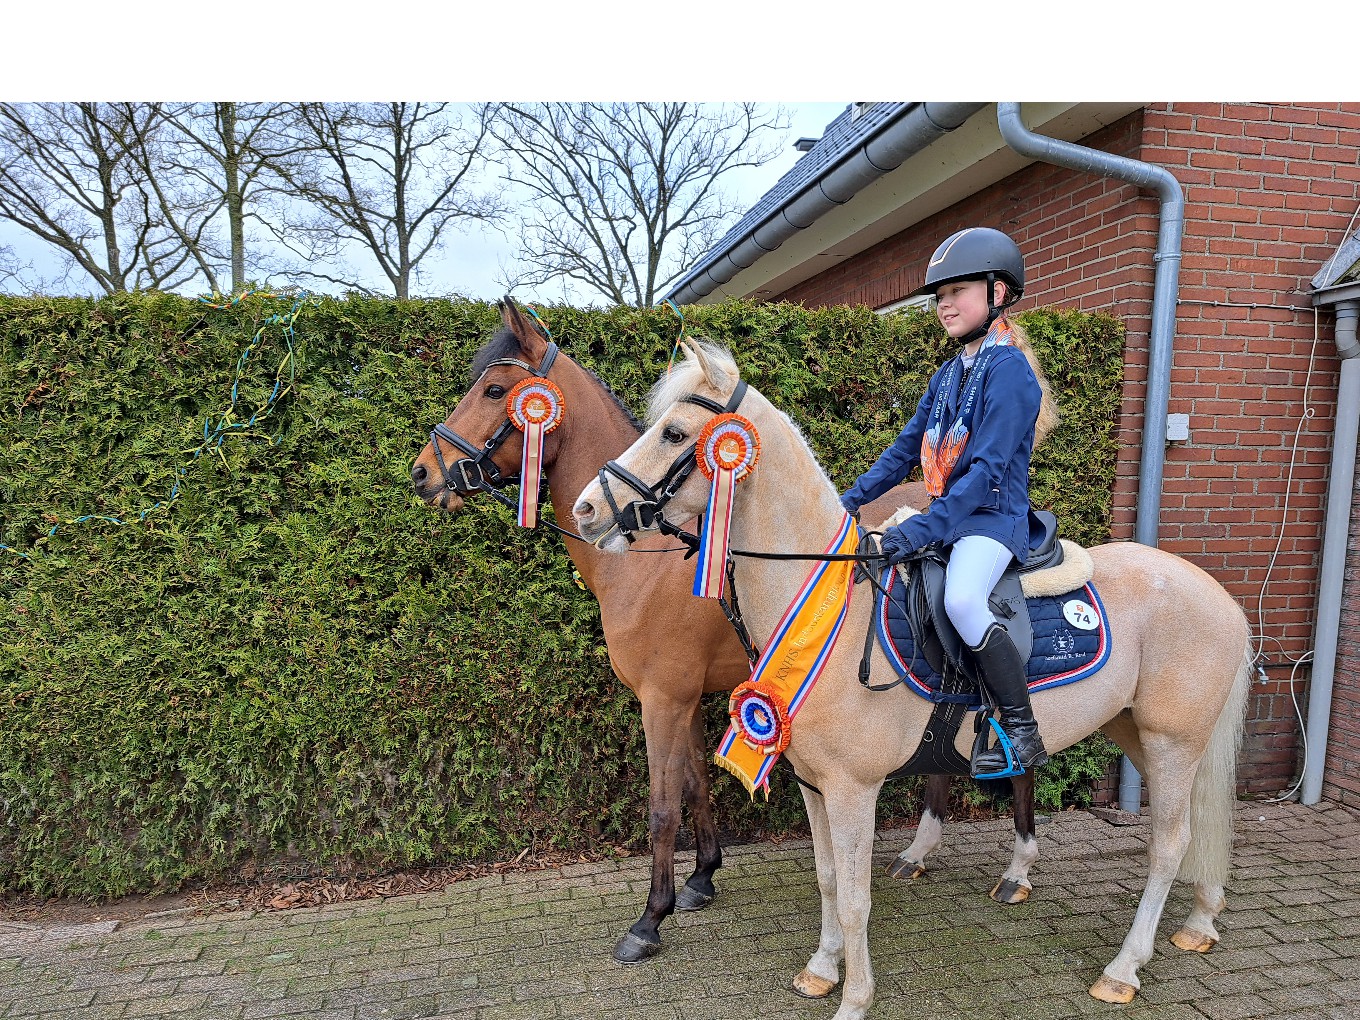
[894,546]
[849,506]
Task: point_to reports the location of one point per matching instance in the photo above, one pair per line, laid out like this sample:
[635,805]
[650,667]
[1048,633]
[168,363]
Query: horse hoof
[690,898]
[810,986]
[1009,892]
[906,869]
[632,949]
[1193,941]
[1107,989]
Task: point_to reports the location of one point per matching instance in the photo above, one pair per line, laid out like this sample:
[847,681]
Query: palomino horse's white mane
[686,377]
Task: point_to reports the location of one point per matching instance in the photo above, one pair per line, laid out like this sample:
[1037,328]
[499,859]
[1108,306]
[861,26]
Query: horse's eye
[672,435]
[495,392]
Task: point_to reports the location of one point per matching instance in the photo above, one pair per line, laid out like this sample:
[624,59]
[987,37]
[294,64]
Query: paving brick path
[528,946]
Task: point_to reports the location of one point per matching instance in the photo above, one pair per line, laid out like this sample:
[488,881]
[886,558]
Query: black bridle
[646,513]
[476,471]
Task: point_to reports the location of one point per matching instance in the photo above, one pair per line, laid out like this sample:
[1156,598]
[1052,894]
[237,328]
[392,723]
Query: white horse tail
[1214,795]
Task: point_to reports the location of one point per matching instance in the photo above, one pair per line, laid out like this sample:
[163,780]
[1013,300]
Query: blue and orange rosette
[760,717]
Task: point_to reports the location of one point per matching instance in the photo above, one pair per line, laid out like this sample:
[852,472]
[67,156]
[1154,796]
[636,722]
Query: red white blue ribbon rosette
[727,451]
[536,407]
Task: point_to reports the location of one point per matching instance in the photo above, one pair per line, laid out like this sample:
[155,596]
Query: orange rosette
[728,442]
[760,717]
[535,401]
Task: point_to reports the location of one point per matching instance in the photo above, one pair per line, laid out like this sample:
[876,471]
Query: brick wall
[1270,191]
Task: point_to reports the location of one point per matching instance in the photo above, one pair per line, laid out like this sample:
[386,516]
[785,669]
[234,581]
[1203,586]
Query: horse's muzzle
[434,492]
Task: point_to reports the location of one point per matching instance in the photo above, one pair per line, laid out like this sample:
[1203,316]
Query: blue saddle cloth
[1071,641]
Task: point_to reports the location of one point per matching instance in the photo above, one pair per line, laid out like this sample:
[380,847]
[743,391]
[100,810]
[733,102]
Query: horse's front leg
[823,971]
[850,815]
[666,725]
[911,862]
[1015,886]
[698,891]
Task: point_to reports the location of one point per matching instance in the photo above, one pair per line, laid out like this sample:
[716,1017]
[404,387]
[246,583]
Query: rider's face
[962,305]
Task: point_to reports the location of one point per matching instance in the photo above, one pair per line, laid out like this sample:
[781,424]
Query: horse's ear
[713,373]
[531,342]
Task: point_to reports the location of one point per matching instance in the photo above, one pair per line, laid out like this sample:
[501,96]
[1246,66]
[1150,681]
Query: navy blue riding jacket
[987,493]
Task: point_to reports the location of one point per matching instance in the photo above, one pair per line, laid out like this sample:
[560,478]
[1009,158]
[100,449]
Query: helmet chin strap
[992,312]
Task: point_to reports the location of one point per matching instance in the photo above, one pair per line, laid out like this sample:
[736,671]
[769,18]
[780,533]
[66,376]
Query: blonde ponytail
[1048,407]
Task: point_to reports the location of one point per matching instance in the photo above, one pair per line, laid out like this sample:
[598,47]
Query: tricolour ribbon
[536,406]
[763,708]
[727,451]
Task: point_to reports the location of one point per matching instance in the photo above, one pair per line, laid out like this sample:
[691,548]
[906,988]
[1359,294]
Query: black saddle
[931,630]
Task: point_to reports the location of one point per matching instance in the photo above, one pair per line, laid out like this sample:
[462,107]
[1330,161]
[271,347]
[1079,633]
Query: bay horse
[668,677]
[1171,693]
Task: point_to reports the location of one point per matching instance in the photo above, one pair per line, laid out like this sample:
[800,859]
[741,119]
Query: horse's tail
[1214,795]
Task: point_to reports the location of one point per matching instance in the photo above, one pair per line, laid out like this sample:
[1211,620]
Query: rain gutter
[898,140]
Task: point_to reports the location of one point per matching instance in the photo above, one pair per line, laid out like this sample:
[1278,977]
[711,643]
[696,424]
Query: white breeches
[976,563]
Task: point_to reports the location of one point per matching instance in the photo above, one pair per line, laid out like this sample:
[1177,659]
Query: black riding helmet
[977,253]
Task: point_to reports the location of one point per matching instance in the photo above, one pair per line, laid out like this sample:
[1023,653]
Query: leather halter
[476,471]
[646,513]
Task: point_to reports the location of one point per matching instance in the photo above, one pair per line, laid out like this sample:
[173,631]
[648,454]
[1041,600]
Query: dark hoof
[1009,892]
[906,869]
[690,898]
[632,949]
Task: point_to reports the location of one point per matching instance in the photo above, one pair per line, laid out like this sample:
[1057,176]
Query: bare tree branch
[83,178]
[625,196]
[222,156]
[391,178]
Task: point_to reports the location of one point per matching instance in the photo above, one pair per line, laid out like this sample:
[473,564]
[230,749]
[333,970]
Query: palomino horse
[1171,693]
[669,676]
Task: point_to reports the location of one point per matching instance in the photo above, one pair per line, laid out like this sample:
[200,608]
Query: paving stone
[537,945]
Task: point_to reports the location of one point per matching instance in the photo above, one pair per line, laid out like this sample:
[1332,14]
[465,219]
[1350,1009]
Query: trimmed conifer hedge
[295,658]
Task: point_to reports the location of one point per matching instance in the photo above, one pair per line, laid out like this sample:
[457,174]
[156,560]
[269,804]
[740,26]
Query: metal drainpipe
[1165,291]
[1334,540]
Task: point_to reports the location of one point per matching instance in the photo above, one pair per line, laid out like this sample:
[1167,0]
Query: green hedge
[296,659]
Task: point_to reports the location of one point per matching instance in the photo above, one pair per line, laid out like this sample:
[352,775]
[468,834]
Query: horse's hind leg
[698,891]
[1169,806]
[911,862]
[1015,886]
[1199,935]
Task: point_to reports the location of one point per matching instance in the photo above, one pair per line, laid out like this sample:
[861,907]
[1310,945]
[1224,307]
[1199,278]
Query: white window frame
[916,301]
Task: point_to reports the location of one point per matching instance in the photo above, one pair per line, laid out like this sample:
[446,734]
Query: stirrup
[1013,766]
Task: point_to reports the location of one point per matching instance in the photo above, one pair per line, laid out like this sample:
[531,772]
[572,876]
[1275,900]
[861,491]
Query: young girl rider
[973,433]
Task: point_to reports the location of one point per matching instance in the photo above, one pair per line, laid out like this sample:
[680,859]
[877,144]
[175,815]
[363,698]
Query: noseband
[476,471]
[646,513]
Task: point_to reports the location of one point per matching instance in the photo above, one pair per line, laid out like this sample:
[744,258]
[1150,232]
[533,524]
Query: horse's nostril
[418,474]
[583,511]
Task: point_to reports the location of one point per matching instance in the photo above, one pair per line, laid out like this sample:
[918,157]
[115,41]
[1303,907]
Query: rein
[647,513]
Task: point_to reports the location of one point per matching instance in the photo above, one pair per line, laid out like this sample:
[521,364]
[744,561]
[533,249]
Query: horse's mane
[504,344]
[685,377]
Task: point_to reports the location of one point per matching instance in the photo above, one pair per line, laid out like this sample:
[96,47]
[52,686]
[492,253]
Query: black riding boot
[1003,671]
